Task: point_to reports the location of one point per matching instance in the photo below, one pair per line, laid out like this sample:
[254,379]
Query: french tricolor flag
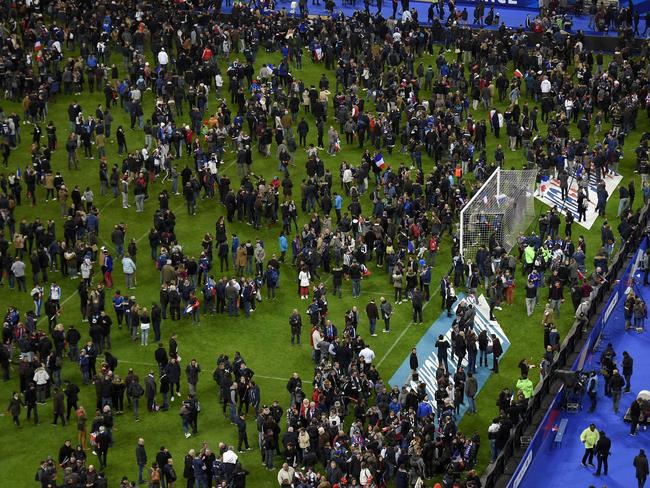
[544,184]
[379,161]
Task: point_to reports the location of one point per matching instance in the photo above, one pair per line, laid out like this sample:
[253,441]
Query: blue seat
[559,435]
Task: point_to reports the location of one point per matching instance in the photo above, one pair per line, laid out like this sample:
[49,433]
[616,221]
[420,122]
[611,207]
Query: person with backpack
[134,392]
[155,476]
[185,414]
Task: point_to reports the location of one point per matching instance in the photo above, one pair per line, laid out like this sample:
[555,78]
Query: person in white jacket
[128,267]
[316,339]
[303,281]
[163,57]
[286,475]
[86,270]
[41,377]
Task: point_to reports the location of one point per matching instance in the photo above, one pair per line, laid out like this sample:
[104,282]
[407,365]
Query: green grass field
[263,340]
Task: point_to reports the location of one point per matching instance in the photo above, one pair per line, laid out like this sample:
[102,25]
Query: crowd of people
[377,90]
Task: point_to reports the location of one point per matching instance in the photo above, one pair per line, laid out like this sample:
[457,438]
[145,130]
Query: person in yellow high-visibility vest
[526,386]
[589,438]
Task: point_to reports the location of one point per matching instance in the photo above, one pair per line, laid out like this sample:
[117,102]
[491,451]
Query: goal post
[501,209]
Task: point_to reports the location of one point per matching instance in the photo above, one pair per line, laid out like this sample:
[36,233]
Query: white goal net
[500,210]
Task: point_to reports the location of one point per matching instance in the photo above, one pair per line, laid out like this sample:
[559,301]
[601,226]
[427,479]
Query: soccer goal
[500,210]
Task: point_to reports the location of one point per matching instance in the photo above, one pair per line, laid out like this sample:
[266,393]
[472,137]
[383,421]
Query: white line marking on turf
[399,338]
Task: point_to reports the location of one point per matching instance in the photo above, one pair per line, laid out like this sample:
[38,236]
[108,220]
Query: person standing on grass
[355,277]
[398,284]
[386,311]
[417,301]
[129,268]
[15,405]
[18,274]
[135,392]
[556,296]
[531,298]
[102,442]
[150,388]
[269,445]
[242,436]
[295,323]
[29,396]
[185,414]
[41,378]
[140,459]
[509,284]
[303,282]
[471,389]
[497,351]
[373,314]
[589,437]
[82,419]
[192,372]
[145,325]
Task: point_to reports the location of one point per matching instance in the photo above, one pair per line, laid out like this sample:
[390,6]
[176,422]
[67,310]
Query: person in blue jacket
[424,408]
[284,246]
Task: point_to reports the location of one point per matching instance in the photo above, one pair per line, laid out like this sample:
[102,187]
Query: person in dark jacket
[150,390]
[102,443]
[635,415]
[14,408]
[417,301]
[170,472]
[173,371]
[628,367]
[497,351]
[72,396]
[29,396]
[161,356]
[58,408]
[616,384]
[603,446]
[413,360]
[242,436]
[188,467]
[442,345]
[372,313]
[156,320]
[641,465]
[140,459]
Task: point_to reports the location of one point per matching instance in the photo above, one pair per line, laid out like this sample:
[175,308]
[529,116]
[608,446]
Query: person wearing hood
[260,256]
[14,408]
